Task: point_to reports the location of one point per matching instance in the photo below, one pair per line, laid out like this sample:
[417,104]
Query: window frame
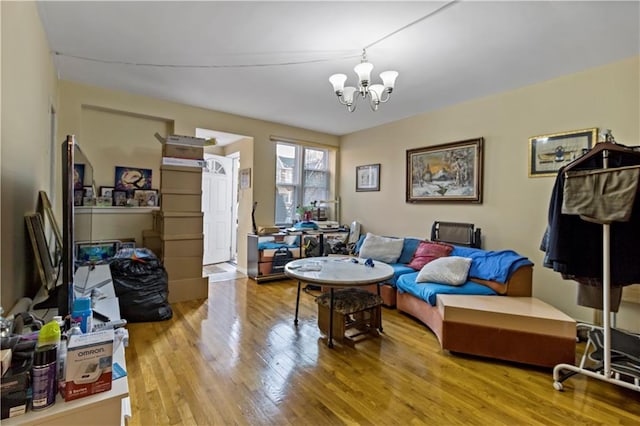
[298,181]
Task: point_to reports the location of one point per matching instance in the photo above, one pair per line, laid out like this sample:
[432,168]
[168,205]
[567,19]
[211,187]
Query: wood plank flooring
[237,358]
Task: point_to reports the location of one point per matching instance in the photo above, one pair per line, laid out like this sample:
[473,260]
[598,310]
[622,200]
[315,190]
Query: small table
[336,272]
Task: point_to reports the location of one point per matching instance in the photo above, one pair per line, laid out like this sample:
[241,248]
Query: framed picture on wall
[368,178]
[447,172]
[245,178]
[131,178]
[549,153]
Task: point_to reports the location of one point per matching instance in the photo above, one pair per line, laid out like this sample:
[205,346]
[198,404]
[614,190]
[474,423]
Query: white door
[217,179]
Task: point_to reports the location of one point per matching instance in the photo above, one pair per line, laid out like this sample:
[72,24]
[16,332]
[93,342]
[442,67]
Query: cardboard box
[180,268]
[264,268]
[89,364]
[174,178]
[151,240]
[180,223]
[183,151]
[181,201]
[188,289]
[173,246]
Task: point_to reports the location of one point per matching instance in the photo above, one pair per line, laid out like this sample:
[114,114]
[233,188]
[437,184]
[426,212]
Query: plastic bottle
[62,359]
[82,315]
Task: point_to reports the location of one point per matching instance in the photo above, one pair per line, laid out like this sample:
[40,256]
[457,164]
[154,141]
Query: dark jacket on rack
[573,246]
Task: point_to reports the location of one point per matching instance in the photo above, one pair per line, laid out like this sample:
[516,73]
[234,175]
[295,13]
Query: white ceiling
[272,60]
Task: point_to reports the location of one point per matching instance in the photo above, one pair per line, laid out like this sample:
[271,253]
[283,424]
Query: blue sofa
[489,274]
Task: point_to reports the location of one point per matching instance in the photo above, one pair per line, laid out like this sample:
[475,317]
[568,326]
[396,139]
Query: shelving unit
[260,261]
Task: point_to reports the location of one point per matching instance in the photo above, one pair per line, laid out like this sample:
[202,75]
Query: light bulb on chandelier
[374,93]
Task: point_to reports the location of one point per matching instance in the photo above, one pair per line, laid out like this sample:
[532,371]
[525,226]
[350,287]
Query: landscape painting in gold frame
[447,172]
[549,153]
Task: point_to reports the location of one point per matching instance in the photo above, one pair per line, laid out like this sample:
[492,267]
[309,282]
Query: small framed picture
[151,197]
[119,198]
[88,192]
[146,197]
[78,195]
[245,178]
[106,191]
[368,178]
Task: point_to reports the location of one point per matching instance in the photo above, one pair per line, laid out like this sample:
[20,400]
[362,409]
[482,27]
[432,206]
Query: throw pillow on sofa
[451,270]
[428,251]
[384,249]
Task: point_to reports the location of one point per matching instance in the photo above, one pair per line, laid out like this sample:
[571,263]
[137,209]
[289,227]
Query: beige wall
[116,128]
[244,148]
[514,210]
[29,91]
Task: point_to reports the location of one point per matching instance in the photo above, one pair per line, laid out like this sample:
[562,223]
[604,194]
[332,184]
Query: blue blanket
[492,265]
[428,291]
[267,245]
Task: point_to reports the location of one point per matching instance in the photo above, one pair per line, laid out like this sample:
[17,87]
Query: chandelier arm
[384,98]
[341,100]
[373,104]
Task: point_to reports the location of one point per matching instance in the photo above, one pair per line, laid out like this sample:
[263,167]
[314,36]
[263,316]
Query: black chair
[462,234]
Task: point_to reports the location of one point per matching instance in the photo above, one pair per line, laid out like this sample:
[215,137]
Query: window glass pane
[314,194]
[314,159]
[285,204]
[315,179]
[285,164]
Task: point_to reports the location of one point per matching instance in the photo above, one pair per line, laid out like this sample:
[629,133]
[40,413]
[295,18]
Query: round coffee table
[336,272]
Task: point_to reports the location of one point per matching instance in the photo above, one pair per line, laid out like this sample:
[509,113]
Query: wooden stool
[353,308]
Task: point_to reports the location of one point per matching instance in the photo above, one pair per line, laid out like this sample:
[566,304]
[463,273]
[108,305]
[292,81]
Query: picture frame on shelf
[119,198]
[88,192]
[145,197]
[445,172]
[78,195]
[549,153]
[106,191]
[132,178]
[368,178]
[139,197]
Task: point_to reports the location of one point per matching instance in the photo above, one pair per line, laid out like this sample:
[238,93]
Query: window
[302,176]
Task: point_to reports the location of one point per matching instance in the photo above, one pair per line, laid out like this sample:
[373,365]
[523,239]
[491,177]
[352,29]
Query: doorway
[217,206]
[220,198]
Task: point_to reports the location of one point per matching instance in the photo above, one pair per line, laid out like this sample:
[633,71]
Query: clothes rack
[605,371]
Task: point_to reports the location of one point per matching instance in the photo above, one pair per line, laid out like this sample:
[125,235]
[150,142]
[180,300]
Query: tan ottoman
[356,312]
[520,329]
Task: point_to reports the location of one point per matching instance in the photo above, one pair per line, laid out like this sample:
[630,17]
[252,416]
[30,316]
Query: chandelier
[374,93]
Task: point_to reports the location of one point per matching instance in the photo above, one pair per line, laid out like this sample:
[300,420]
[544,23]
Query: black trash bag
[142,286]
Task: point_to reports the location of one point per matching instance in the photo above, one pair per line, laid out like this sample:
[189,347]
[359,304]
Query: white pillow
[384,249]
[451,270]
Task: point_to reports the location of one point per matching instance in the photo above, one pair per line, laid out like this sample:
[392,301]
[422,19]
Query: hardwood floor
[237,358]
